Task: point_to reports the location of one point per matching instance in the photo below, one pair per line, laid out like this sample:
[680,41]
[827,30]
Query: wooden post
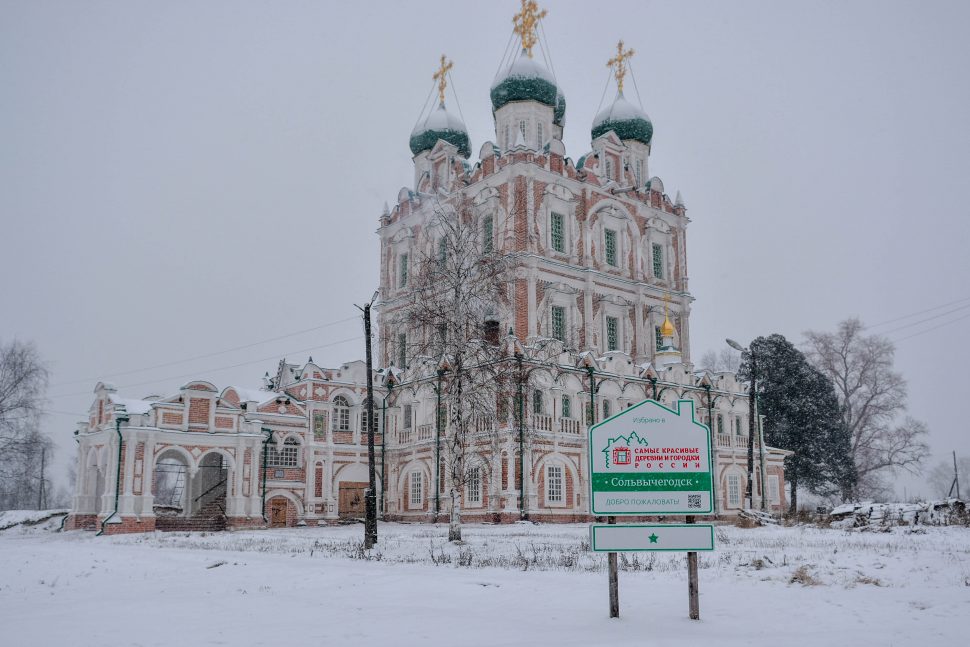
[614,579]
[694,603]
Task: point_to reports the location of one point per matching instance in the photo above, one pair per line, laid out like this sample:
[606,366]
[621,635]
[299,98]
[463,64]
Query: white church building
[599,261]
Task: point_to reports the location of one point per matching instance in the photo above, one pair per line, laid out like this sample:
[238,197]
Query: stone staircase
[211,517]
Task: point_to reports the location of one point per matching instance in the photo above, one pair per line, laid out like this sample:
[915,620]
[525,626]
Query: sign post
[651,460]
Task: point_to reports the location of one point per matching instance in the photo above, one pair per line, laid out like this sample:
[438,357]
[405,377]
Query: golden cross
[618,63]
[525,24]
[440,77]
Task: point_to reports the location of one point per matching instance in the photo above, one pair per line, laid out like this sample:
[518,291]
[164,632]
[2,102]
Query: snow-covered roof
[138,407]
[253,395]
[440,120]
[619,110]
[524,67]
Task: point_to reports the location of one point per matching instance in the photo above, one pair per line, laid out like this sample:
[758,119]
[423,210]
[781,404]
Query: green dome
[559,113]
[526,80]
[626,120]
[440,124]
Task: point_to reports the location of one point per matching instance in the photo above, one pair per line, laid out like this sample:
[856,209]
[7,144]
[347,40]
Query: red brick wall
[198,411]
[170,418]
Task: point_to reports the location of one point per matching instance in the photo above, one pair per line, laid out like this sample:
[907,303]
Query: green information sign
[651,460]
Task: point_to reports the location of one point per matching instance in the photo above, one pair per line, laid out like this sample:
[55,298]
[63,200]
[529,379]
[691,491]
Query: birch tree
[457,287]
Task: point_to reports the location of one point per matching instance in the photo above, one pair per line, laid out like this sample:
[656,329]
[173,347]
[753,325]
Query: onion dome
[625,119]
[527,80]
[559,112]
[440,124]
[667,328]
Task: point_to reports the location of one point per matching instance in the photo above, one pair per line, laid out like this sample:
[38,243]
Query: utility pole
[40,490]
[956,477]
[612,570]
[370,501]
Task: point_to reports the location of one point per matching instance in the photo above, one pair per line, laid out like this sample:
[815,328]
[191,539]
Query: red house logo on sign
[621,456]
[619,450]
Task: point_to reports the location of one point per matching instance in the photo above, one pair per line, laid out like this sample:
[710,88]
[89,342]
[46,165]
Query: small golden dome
[667,328]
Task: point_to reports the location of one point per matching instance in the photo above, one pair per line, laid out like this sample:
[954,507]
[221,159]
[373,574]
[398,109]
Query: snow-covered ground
[517,584]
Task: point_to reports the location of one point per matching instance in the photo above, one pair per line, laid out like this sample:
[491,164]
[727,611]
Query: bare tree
[726,360]
[457,288]
[873,399]
[23,383]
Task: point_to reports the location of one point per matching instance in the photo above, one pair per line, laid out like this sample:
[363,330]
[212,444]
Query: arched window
[474,486]
[417,489]
[734,491]
[341,414]
[606,409]
[567,407]
[737,425]
[488,234]
[537,402]
[284,456]
[720,424]
[554,484]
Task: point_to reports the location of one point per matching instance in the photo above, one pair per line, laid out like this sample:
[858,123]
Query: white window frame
[734,490]
[773,490]
[286,455]
[555,485]
[416,490]
[473,486]
[341,414]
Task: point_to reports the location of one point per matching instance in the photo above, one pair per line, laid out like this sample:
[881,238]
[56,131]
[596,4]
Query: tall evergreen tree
[802,415]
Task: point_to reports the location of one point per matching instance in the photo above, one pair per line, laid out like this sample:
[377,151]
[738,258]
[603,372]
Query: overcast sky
[181,179]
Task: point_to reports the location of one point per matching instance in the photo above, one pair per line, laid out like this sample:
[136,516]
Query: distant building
[600,258]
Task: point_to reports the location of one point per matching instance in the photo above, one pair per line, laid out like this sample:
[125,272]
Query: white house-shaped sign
[651,460]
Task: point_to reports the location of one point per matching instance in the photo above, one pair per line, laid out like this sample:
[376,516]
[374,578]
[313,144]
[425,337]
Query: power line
[918,312]
[221,368]
[945,323]
[916,323]
[206,355]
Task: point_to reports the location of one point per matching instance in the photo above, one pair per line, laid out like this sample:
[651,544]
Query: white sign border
[640,513]
[595,526]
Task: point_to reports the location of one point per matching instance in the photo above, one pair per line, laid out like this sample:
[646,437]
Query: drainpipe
[64,520]
[118,421]
[269,437]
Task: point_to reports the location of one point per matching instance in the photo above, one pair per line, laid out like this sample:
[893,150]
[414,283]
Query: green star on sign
[653,538]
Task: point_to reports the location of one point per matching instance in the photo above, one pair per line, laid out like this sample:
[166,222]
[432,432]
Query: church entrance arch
[170,483]
[210,485]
